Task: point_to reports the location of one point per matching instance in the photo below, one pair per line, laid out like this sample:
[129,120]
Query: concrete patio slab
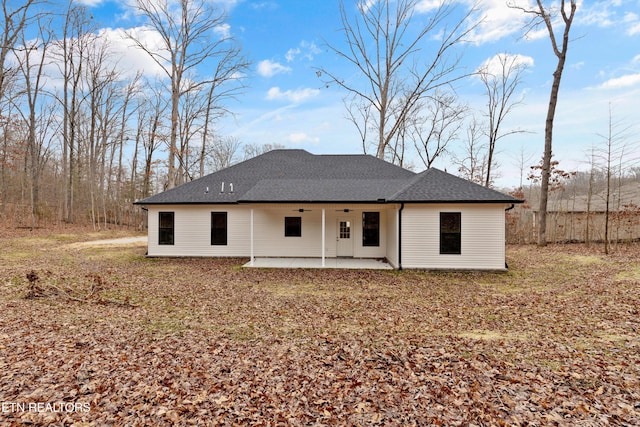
[344,263]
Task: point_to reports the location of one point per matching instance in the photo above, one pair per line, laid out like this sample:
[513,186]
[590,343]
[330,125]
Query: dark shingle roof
[326,190]
[436,186]
[299,176]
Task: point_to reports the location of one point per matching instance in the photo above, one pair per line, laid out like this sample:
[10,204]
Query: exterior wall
[192,230]
[392,237]
[482,237]
[360,251]
[269,239]
[482,233]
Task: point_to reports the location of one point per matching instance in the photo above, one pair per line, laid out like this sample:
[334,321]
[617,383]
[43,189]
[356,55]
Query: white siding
[192,230]
[482,237]
[360,251]
[392,237]
[269,230]
[269,238]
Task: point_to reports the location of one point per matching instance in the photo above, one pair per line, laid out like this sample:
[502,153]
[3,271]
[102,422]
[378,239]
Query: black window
[165,228]
[450,233]
[292,226]
[371,229]
[219,228]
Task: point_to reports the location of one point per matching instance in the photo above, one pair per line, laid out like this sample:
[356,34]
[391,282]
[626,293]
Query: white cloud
[269,68]
[264,5]
[578,65]
[365,5]
[606,15]
[630,17]
[90,3]
[598,14]
[122,56]
[292,53]
[132,59]
[634,29]
[628,80]
[223,30]
[306,50]
[301,138]
[293,96]
[498,21]
[425,6]
[501,62]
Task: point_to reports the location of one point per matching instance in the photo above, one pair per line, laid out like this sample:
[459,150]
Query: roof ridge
[411,182]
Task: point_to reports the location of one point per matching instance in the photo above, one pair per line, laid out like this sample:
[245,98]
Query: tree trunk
[561,54]
[546,158]
[173,141]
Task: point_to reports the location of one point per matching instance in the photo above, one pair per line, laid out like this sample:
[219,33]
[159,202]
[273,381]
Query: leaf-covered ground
[138,341]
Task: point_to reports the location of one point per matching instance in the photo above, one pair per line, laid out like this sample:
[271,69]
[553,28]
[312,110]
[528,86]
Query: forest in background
[81,139]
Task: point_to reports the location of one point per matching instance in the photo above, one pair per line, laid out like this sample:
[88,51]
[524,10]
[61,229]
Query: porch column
[323,228]
[251,237]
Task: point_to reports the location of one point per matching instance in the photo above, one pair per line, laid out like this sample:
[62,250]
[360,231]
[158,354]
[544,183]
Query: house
[291,203]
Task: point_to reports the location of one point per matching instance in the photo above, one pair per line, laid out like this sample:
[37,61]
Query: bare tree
[31,62]
[359,113]
[613,148]
[224,152]
[130,91]
[219,91]
[501,79]
[472,164]
[73,49]
[384,45]
[254,150]
[544,16]
[10,129]
[154,134]
[100,82]
[189,126]
[590,185]
[186,34]
[437,126]
[398,147]
[522,161]
[15,16]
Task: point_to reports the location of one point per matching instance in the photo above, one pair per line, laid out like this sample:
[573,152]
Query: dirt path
[113,242]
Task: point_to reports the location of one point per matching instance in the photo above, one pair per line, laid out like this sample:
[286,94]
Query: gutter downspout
[508,209]
[400,236]
[251,238]
[323,237]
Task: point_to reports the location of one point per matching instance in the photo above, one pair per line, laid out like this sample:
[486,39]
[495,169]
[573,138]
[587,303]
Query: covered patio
[342,263]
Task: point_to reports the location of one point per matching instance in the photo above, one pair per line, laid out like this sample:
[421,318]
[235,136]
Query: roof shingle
[436,186]
[298,176]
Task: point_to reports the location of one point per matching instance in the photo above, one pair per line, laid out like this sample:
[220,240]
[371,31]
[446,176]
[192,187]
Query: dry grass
[564,320]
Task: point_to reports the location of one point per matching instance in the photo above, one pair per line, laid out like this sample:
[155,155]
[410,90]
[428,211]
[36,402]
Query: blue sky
[286,103]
